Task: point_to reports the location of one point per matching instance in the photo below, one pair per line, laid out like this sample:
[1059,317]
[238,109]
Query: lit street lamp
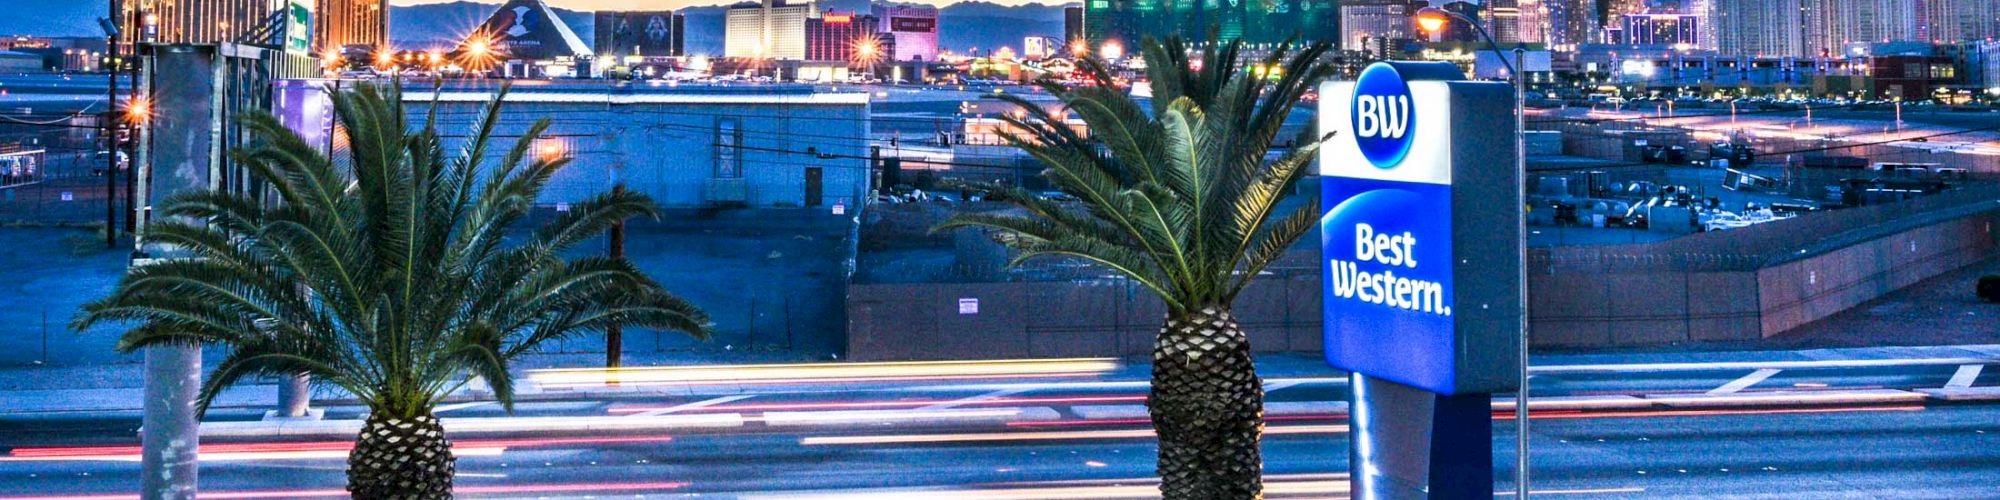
[1432,20]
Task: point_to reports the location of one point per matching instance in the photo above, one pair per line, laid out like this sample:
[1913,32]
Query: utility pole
[110,25]
[614,336]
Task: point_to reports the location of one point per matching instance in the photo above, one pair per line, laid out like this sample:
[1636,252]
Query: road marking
[1748,380]
[460,406]
[1963,379]
[1275,385]
[975,399]
[690,406]
[1748,365]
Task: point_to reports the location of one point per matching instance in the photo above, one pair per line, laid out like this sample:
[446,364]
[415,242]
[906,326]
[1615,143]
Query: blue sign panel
[1408,252]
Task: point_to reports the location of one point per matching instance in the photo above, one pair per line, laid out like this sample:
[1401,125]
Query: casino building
[523,38]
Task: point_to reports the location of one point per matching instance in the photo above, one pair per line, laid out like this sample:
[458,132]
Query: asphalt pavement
[1811,425]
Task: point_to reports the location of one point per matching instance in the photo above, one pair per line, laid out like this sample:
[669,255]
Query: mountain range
[961,26]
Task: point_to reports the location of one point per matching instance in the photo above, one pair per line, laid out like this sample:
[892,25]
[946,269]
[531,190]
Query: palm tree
[1181,201]
[394,280]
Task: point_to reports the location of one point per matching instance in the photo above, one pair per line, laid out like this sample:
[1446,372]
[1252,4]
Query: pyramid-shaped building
[527,30]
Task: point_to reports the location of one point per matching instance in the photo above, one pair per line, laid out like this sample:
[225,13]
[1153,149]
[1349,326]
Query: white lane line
[1750,365]
[1963,379]
[974,399]
[459,406]
[690,406]
[1275,385]
[1748,380]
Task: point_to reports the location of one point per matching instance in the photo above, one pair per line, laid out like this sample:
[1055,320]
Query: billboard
[1420,231]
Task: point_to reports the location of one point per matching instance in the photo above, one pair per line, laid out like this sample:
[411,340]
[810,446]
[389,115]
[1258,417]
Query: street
[1077,429]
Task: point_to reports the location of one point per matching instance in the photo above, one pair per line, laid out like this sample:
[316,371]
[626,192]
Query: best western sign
[1420,230]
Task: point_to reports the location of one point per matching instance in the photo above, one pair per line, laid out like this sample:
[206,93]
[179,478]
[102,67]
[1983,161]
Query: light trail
[881,404]
[342,493]
[823,372]
[303,450]
[988,437]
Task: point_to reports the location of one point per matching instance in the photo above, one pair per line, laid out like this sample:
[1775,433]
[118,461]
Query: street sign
[1420,228]
[298,26]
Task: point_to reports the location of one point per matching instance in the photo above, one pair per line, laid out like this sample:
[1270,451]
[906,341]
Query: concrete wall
[1058,319]
[1805,290]
[1736,285]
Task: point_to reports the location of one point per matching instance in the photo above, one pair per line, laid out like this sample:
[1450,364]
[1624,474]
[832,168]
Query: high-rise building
[346,23]
[914,28]
[1769,28]
[1535,21]
[834,36]
[771,29]
[1503,18]
[1072,24]
[658,33]
[1456,30]
[1123,23]
[199,21]
[1572,22]
[1962,20]
[1368,25]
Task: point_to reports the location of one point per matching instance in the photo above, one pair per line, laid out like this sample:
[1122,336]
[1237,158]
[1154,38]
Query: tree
[1183,202]
[395,280]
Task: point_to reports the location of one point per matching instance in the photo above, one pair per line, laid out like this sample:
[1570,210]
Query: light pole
[1432,20]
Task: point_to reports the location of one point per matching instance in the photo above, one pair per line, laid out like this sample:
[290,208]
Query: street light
[1431,20]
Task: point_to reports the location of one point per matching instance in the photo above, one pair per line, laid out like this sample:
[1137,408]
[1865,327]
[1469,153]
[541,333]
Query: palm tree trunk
[400,459]
[1207,407]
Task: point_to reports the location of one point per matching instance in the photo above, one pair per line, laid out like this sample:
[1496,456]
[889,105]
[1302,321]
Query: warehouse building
[687,146]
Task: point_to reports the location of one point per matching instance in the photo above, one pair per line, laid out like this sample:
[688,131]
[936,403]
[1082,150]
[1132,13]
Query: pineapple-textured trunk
[401,459]
[1207,407]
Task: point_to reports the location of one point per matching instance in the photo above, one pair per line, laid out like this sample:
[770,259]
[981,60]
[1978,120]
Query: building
[1121,24]
[1503,20]
[1964,20]
[523,30]
[194,22]
[1534,24]
[771,29]
[1658,29]
[643,34]
[1650,68]
[914,28]
[691,146]
[1757,28]
[1571,23]
[344,23]
[1373,25]
[836,36]
[1072,24]
[1456,30]
[21,62]
[1912,77]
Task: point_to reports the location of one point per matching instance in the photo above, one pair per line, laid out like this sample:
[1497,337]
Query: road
[1708,431]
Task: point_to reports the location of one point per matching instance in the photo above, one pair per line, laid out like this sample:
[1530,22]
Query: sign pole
[1521,202]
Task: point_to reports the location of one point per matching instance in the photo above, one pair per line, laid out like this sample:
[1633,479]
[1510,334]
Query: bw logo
[1383,115]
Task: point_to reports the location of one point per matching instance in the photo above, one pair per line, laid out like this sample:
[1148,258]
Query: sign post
[1420,239]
